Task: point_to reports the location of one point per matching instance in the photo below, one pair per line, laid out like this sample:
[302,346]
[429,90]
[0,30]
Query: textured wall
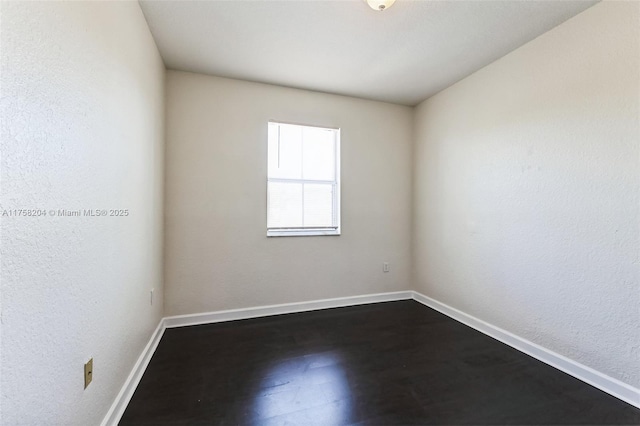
[82,128]
[527,185]
[217,252]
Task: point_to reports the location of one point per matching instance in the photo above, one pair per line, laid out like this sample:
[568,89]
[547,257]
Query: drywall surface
[82,128]
[527,190]
[217,253]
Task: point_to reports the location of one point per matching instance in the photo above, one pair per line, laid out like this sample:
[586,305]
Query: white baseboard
[286,308]
[124,396]
[118,407]
[614,387]
[588,375]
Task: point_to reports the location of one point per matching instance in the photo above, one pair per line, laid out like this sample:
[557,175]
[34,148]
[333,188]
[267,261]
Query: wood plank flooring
[393,363]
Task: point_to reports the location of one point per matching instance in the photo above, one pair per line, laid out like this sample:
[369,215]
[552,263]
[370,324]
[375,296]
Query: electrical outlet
[385,267]
[88,373]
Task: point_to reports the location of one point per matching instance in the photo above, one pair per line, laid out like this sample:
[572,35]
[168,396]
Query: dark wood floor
[382,364]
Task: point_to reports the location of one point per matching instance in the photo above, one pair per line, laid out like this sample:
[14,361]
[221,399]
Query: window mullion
[303,204]
[310,181]
[278,146]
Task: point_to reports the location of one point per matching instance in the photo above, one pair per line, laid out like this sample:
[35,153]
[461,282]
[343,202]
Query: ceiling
[402,55]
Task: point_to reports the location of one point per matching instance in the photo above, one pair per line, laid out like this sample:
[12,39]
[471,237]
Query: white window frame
[302,232]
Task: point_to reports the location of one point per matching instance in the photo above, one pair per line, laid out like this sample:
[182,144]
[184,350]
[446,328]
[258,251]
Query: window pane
[285,205]
[318,153]
[318,205]
[285,151]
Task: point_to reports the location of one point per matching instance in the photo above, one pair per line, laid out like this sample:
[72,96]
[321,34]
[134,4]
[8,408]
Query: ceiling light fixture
[380,4]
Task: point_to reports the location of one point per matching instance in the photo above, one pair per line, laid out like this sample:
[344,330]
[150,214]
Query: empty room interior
[353,212]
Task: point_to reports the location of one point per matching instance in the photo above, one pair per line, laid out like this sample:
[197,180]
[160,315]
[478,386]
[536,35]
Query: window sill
[302,232]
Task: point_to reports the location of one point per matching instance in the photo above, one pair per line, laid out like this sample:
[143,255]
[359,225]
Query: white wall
[217,253]
[527,191]
[82,128]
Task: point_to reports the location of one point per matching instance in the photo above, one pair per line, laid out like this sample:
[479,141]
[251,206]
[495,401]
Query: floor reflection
[310,390]
[394,363]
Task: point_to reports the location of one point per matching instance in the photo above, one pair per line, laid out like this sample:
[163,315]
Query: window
[303,180]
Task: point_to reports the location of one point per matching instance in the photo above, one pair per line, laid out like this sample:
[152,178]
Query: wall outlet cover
[88,372]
